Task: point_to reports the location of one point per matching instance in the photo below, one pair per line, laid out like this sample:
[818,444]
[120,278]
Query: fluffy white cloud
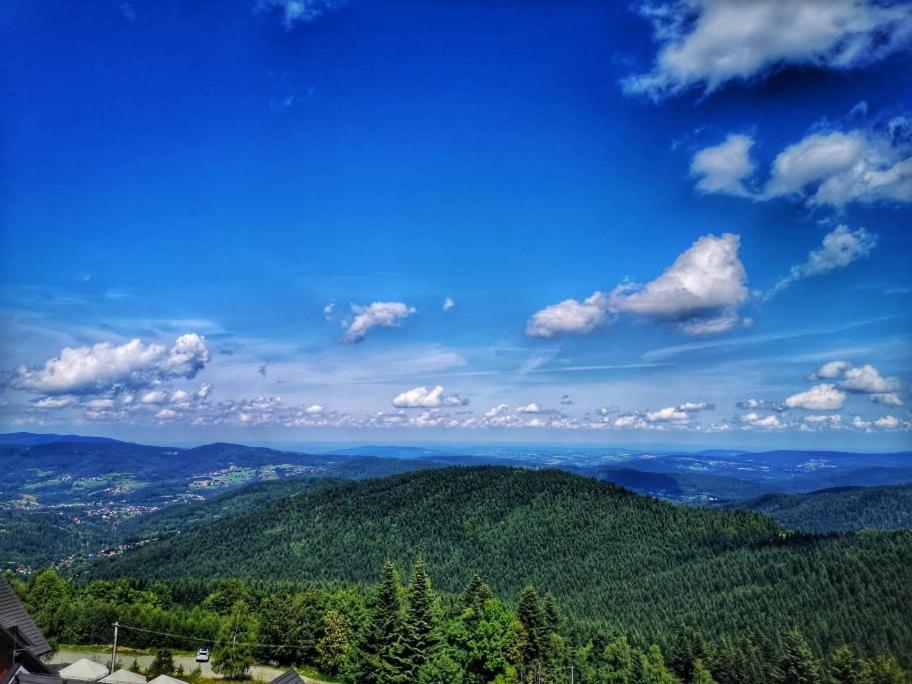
[887,399]
[499,410]
[314,409]
[704,286]
[830,370]
[724,167]
[669,413]
[378,314]
[530,408]
[103,367]
[569,316]
[887,422]
[822,397]
[864,379]
[836,168]
[422,397]
[710,42]
[839,249]
[756,420]
[448,304]
[699,293]
[831,168]
[153,397]
[867,380]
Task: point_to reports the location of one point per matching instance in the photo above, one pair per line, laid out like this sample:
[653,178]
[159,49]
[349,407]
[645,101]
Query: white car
[202,655]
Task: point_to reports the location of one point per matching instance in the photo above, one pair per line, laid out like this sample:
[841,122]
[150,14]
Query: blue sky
[654,223]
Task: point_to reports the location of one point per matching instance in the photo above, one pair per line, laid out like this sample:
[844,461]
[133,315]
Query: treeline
[390,633]
[610,556]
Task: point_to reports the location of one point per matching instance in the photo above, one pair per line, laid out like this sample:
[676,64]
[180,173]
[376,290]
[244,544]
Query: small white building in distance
[85,670]
[165,679]
[123,676]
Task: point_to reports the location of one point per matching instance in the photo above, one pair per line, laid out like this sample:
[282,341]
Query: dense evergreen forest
[388,633]
[610,557]
[838,510]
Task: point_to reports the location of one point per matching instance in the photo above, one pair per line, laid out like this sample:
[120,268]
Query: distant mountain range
[86,492]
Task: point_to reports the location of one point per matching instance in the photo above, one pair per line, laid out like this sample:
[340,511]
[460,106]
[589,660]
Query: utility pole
[114,650]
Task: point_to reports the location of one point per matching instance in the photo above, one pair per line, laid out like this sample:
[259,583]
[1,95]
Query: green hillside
[838,510]
[607,554]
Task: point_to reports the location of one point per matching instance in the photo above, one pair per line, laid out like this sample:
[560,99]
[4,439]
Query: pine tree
[476,593]
[651,668]
[885,670]
[551,614]
[162,664]
[688,647]
[418,626]
[846,667]
[381,664]
[701,674]
[529,613]
[619,661]
[797,664]
[333,646]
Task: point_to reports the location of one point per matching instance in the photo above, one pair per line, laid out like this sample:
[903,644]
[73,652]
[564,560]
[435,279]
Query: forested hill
[606,553]
[838,510]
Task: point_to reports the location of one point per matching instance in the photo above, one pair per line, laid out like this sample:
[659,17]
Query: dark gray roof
[32,678]
[288,677]
[14,618]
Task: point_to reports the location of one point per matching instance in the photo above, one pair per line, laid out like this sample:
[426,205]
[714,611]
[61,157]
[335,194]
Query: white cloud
[830,370]
[153,397]
[102,367]
[707,43]
[695,406]
[422,397]
[823,397]
[166,414]
[499,410]
[314,409]
[887,399]
[756,420]
[751,404]
[860,423]
[530,408]
[293,12]
[670,413]
[448,304]
[569,316]
[887,422]
[204,391]
[836,168]
[825,168]
[724,167]
[55,402]
[864,379]
[868,380]
[378,314]
[699,293]
[839,249]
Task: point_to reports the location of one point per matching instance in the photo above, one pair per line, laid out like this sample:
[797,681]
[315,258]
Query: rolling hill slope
[837,510]
[606,553]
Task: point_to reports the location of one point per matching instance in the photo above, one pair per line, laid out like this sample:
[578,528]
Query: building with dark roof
[288,677]
[21,642]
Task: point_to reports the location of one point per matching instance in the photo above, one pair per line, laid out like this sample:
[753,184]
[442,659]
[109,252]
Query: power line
[201,639]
